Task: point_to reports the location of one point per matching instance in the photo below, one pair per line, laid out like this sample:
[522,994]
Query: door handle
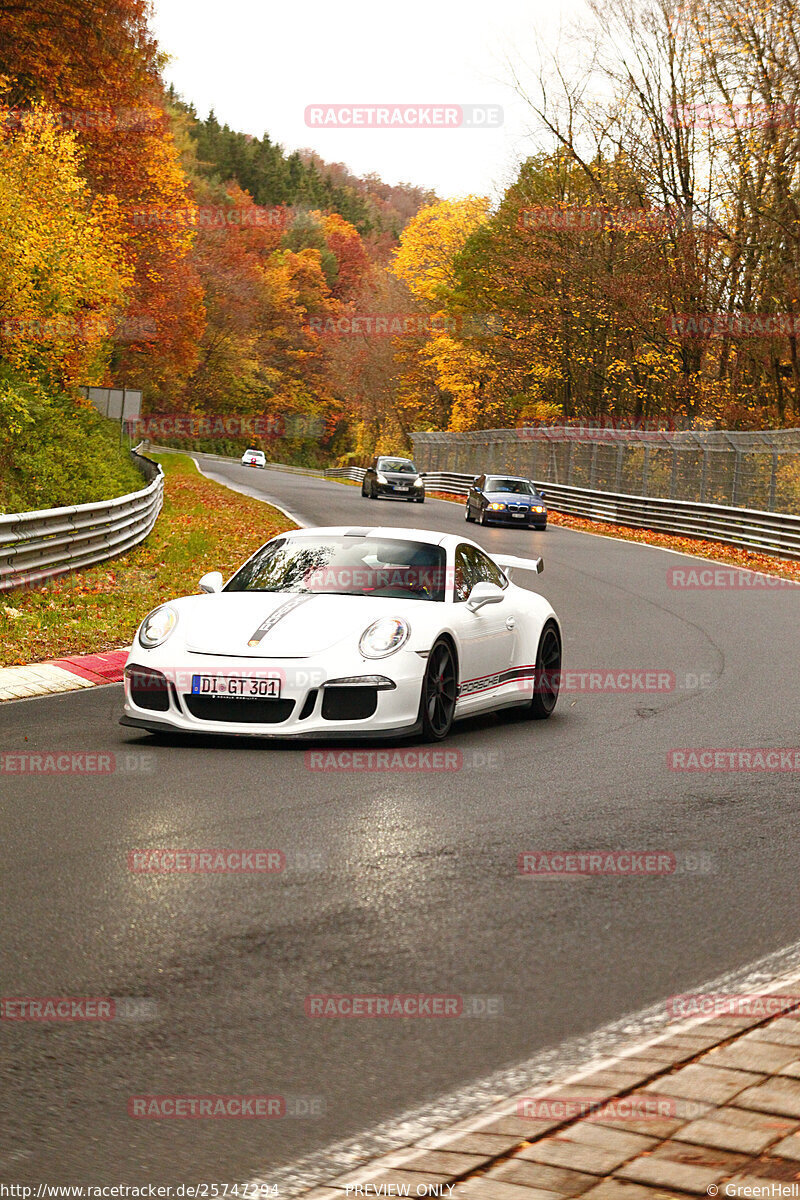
[510,623]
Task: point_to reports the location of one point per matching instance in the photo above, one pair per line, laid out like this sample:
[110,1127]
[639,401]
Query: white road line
[568,1063]
[248,491]
[565,528]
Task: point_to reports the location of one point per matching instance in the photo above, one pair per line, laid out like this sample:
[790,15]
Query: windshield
[519,487]
[352,566]
[400,466]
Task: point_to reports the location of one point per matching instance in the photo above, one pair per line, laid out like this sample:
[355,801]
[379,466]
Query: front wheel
[467,516]
[547,679]
[439,691]
[481,518]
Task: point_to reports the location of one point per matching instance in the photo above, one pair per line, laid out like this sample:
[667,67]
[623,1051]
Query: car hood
[279,624]
[511,498]
[399,476]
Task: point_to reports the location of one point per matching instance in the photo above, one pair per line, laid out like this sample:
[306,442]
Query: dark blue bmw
[507,500]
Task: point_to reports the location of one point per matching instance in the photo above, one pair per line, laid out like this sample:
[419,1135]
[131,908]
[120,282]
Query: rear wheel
[439,691]
[547,679]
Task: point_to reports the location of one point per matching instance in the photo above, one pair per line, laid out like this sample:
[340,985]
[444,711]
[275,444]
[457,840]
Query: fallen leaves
[203,526]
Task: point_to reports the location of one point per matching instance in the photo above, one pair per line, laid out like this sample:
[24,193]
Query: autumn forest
[644,264]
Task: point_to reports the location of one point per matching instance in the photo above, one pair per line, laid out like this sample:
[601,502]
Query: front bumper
[391,489]
[309,707]
[506,518]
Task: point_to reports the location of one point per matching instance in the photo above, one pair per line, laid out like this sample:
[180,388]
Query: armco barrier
[435,481]
[769,532]
[37,546]
[271,466]
[772,533]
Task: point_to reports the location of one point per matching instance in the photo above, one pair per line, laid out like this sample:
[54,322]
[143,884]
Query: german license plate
[519,516]
[402,487]
[236,688]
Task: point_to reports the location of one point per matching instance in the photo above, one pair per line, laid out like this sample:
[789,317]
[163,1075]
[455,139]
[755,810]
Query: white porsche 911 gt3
[347,632]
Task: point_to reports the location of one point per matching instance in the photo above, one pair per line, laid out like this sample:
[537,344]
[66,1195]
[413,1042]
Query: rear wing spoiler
[509,563]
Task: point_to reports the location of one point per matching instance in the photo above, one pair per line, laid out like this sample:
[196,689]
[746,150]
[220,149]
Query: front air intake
[349,703]
[149,688]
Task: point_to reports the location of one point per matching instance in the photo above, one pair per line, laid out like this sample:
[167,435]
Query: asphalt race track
[402,882]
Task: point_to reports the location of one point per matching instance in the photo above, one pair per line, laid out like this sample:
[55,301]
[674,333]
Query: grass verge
[204,526]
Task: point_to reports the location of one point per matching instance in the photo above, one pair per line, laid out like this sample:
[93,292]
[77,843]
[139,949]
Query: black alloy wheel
[439,693]
[547,679]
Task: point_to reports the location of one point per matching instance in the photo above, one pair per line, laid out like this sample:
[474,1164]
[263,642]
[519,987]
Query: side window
[487,571]
[464,574]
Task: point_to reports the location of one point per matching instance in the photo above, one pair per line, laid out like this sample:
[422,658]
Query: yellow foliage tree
[63,277]
[430,242]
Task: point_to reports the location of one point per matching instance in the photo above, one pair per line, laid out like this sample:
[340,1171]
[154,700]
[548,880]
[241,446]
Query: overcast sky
[259,64]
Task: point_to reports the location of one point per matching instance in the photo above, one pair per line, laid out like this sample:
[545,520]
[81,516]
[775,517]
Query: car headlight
[496,507]
[157,626]
[383,637]
[420,482]
[381,478]
[538,508]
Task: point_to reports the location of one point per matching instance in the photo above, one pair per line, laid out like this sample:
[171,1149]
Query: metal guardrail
[354,474]
[754,529]
[37,546]
[435,481]
[229,458]
[771,533]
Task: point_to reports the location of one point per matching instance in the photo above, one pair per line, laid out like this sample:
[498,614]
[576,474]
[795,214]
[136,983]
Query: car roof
[503,475]
[432,537]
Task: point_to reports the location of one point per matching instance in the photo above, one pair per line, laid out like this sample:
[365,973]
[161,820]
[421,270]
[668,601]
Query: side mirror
[423,474]
[542,494]
[485,593]
[212,582]
[475,481]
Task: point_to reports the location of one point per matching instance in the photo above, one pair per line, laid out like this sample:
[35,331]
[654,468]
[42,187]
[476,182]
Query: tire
[420,500]
[373,495]
[467,517]
[437,704]
[363,492]
[481,518]
[548,661]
